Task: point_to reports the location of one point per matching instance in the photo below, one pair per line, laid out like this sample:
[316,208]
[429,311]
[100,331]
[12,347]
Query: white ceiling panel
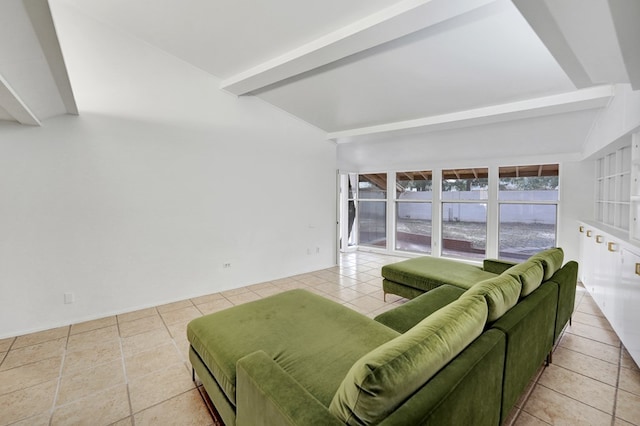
[225,37]
[5,116]
[486,57]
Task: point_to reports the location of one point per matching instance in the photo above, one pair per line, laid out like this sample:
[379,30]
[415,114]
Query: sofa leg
[570,318]
[549,359]
[193,374]
[384,296]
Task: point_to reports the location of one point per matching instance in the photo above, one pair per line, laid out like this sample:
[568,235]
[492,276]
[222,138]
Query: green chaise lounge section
[412,277]
[298,330]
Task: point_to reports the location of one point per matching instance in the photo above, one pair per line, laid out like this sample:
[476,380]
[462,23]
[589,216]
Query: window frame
[385,200]
[469,173]
[500,202]
[398,202]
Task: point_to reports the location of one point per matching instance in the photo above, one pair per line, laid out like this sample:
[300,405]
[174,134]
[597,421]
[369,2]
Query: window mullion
[391,211]
[436,214]
[492,213]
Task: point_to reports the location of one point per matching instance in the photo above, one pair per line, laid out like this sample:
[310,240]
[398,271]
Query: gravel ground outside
[517,240]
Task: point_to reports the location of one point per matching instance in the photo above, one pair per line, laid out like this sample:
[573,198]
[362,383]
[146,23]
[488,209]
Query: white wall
[543,139]
[160,180]
[577,201]
[617,121]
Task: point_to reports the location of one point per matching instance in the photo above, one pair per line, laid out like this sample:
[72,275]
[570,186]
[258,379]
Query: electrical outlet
[226,265]
[69,298]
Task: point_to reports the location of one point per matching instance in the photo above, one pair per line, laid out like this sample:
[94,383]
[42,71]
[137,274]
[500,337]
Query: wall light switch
[69,298]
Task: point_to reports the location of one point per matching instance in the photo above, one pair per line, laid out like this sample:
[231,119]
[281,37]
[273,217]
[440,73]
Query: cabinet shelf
[614,187]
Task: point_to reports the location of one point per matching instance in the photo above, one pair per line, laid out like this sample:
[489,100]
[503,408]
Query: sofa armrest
[497,266]
[405,316]
[566,279]
[268,395]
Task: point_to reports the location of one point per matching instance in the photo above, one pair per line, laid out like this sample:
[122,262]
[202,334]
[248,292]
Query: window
[521,205]
[413,211]
[528,202]
[372,209]
[464,212]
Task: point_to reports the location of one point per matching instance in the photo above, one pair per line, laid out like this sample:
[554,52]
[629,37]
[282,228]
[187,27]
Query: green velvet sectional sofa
[448,357]
[413,277]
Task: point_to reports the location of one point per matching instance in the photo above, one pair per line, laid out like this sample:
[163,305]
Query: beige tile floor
[133,368]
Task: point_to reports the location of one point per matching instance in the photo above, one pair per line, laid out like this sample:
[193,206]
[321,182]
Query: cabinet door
[609,261]
[627,317]
[589,260]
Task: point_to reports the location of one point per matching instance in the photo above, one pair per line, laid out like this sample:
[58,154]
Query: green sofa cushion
[298,329]
[529,273]
[427,272]
[551,260]
[385,377]
[501,294]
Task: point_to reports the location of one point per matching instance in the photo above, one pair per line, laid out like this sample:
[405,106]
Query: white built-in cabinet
[610,245]
[634,230]
[610,271]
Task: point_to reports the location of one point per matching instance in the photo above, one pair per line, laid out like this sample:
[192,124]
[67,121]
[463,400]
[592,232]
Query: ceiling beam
[14,105]
[40,15]
[399,20]
[626,15]
[542,21]
[579,100]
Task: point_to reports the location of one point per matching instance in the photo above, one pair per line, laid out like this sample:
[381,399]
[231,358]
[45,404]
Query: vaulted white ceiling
[358,68]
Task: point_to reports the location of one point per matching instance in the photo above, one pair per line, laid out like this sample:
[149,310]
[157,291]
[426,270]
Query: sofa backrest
[382,379]
[529,273]
[551,260]
[500,293]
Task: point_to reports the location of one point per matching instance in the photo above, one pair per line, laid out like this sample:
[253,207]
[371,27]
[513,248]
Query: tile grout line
[56,393]
[124,369]
[574,399]
[615,399]
[587,355]
[593,340]
[6,354]
[589,377]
